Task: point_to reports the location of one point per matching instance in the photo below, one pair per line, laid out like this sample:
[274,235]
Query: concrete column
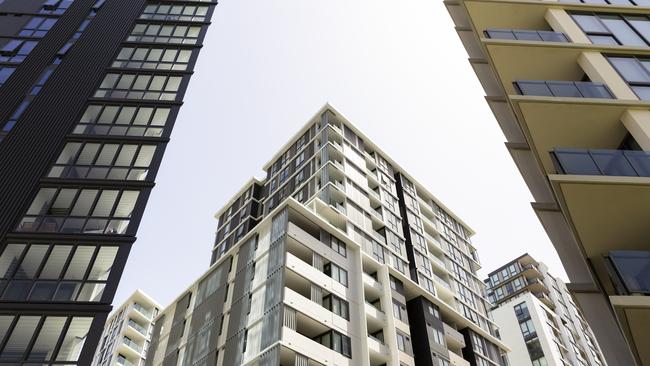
[561,21]
[598,312]
[637,123]
[599,69]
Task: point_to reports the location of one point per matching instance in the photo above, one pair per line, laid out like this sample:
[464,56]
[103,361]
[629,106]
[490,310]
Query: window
[404,343]
[636,73]
[338,246]
[187,13]
[37,27]
[398,263]
[399,311]
[300,159]
[396,285]
[152,58]
[527,328]
[337,273]
[15,51]
[336,341]
[436,334]
[55,7]
[139,86]
[103,161]
[5,73]
[77,210]
[378,252]
[337,305]
[535,350]
[46,272]
[122,121]
[43,333]
[156,33]
[615,29]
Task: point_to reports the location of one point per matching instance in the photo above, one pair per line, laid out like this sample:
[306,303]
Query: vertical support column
[637,123]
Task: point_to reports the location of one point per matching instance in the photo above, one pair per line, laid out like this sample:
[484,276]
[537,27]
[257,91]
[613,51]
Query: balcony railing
[602,162]
[526,35]
[632,268]
[142,310]
[142,330]
[124,362]
[568,89]
[132,344]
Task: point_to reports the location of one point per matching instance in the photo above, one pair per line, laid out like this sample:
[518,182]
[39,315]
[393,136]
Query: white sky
[397,70]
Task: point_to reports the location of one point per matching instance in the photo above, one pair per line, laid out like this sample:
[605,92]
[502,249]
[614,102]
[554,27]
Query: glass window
[5,73]
[43,347]
[173,34]
[630,69]
[37,27]
[590,23]
[622,31]
[103,206]
[641,25]
[10,258]
[17,343]
[152,58]
[74,339]
[80,161]
[132,86]
[123,121]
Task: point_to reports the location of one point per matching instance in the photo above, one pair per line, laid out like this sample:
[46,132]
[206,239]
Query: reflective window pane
[10,258]
[74,339]
[79,264]
[55,262]
[22,334]
[43,347]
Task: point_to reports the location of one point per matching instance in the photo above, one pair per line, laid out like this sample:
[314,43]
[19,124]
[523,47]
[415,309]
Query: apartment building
[538,318]
[337,257]
[568,83]
[89,91]
[127,333]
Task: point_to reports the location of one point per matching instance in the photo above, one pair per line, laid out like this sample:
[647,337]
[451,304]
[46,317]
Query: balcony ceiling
[508,15]
[550,122]
[606,212]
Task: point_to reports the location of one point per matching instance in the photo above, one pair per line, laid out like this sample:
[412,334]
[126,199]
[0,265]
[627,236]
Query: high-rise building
[89,91]
[537,317]
[568,82]
[127,333]
[337,257]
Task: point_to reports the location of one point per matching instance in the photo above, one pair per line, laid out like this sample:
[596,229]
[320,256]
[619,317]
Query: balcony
[563,89]
[602,162]
[378,351]
[147,313]
[526,35]
[132,345]
[453,337]
[138,327]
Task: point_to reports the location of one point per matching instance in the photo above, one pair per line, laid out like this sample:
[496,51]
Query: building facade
[89,91]
[568,83]
[538,318]
[337,257]
[127,333]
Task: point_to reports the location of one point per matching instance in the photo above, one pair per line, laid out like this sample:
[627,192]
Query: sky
[396,70]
